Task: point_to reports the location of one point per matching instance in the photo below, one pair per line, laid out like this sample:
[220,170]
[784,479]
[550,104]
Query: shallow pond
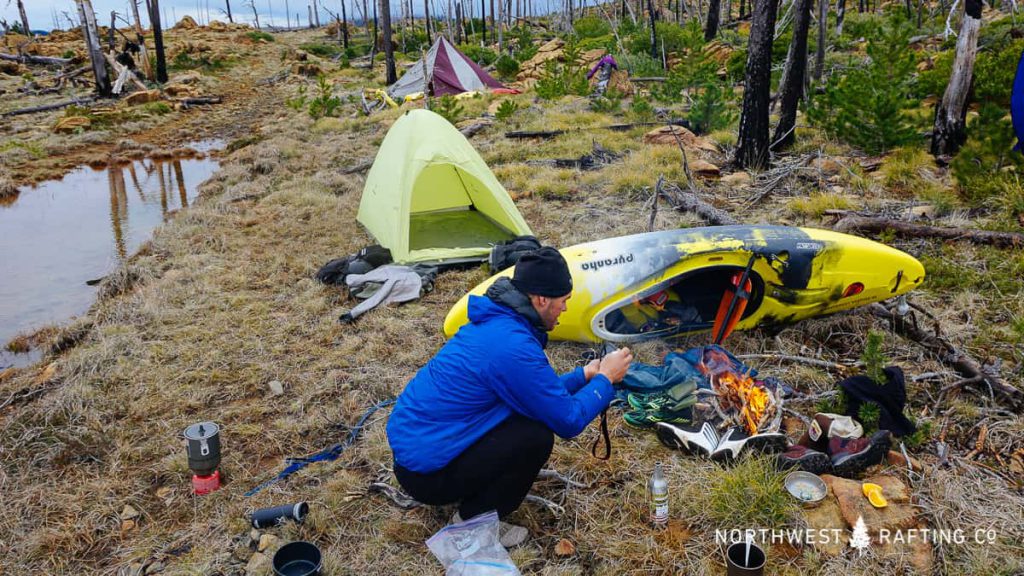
[59,235]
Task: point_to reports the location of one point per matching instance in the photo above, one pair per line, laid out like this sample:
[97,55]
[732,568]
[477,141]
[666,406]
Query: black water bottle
[267,517]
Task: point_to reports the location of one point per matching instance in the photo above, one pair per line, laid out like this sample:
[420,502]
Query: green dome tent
[429,197]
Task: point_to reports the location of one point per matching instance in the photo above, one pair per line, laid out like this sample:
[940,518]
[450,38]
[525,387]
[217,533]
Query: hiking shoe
[690,439]
[646,419]
[674,399]
[825,426]
[735,441]
[803,458]
[852,456]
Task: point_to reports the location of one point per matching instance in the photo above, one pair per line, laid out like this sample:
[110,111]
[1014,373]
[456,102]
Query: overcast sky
[41,13]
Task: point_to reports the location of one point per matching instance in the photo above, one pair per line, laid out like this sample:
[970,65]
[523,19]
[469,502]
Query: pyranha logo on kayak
[598,264]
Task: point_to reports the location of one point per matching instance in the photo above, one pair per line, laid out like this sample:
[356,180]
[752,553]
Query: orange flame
[739,392]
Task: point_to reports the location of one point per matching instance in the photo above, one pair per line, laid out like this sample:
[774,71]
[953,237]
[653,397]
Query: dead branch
[400,498]
[533,134]
[40,60]
[555,509]
[690,202]
[960,361]
[48,107]
[549,473]
[472,129]
[199,100]
[654,203]
[842,369]
[875,225]
[360,167]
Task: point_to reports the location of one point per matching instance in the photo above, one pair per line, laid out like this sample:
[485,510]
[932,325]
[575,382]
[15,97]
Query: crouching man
[474,426]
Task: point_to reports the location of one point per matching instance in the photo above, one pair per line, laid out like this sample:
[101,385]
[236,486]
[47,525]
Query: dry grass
[222,302]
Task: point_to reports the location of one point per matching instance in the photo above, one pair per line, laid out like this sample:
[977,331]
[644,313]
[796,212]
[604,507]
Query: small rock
[704,168]
[268,541]
[276,388]
[736,179]
[254,536]
[565,547]
[853,504]
[827,166]
[180,90]
[164,492]
[837,190]
[259,565]
[895,458]
[70,124]
[136,569]
[922,212]
[155,568]
[128,512]
[127,526]
[142,97]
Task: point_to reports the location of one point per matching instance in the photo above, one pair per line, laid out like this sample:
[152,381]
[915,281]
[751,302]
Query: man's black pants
[495,473]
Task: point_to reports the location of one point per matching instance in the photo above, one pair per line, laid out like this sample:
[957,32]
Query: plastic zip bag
[472,548]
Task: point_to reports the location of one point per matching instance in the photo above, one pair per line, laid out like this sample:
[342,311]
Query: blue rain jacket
[493,367]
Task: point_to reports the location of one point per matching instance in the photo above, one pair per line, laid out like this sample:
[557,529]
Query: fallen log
[690,202]
[360,167]
[199,100]
[30,59]
[950,355]
[874,225]
[534,133]
[472,129]
[48,107]
[72,74]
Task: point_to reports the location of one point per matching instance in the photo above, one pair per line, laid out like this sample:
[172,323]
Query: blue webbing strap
[328,455]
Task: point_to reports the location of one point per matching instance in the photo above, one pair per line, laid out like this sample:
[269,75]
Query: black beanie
[543,272]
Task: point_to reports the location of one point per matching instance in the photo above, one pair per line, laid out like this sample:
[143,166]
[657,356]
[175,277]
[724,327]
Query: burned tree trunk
[135,15]
[92,42]
[24,19]
[316,14]
[426,18]
[389,51]
[654,32]
[840,16]
[752,146]
[950,130]
[711,27]
[792,85]
[158,40]
[227,4]
[344,26]
[483,21]
[819,54]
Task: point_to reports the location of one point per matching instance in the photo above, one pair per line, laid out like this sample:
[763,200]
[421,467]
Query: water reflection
[62,233]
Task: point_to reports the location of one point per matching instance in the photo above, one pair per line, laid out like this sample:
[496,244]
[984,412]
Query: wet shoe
[851,457]
[645,419]
[825,426]
[803,458]
[735,441]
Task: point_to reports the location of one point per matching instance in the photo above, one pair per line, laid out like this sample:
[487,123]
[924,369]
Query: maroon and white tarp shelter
[451,72]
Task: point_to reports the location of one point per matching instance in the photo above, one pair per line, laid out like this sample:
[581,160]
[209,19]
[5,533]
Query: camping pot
[297,559]
[203,446]
[267,517]
[745,559]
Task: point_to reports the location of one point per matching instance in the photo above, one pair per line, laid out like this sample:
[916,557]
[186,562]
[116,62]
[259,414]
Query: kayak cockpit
[681,304]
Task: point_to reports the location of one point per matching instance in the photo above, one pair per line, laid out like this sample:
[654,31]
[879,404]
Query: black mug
[267,517]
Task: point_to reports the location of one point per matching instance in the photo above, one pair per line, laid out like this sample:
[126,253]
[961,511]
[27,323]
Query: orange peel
[874,495]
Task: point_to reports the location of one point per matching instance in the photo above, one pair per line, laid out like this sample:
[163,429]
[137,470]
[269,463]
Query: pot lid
[201,431]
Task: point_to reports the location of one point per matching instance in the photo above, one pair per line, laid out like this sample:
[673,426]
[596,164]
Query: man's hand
[591,369]
[615,365]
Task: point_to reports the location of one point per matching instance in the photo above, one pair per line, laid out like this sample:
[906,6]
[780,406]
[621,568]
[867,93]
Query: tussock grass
[815,205]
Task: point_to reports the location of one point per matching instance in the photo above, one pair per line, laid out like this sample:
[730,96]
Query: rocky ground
[218,318]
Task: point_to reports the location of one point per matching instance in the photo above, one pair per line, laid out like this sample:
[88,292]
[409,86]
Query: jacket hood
[503,299]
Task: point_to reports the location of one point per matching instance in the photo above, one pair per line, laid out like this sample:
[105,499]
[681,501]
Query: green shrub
[591,27]
[479,54]
[641,110]
[639,64]
[298,103]
[674,38]
[711,108]
[736,66]
[448,108]
[322,49]
[994,72]
[523,41]
[874,357]
[158,108]
[750,493]
[558,79]
[695,70]
[185,61]
[257,35]
[933,82]
[979,168]
[507,67]
[325,103]
[608,103]
[868,106]
[505,110]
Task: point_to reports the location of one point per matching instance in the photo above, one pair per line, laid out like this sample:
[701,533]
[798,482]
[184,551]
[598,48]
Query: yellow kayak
[673,282]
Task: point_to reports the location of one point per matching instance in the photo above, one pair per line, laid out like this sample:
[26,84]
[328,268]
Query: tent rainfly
[451,72]
[429,196]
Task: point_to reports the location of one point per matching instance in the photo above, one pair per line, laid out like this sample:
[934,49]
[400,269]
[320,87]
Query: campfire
[738,400]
